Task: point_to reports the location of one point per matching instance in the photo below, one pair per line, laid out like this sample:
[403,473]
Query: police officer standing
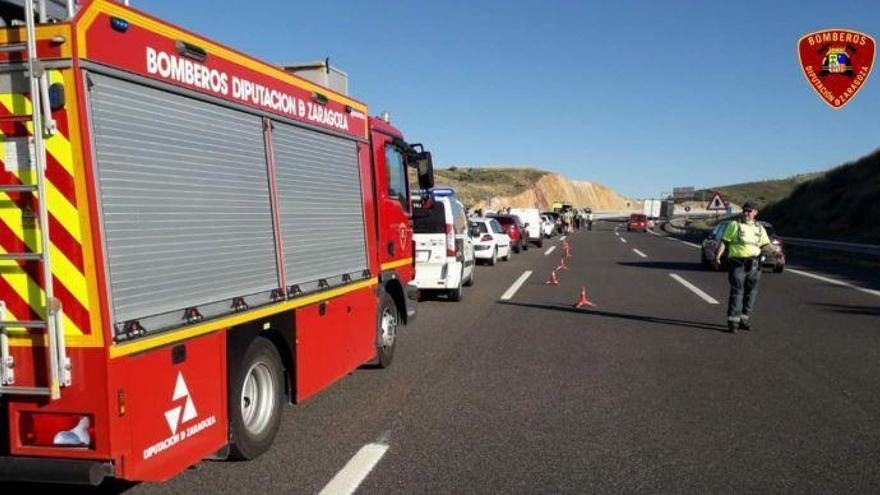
[589,219]
[744,240]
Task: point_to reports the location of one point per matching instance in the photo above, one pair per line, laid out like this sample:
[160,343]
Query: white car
[548,226]
[532,218]
[490,240]
[444,250]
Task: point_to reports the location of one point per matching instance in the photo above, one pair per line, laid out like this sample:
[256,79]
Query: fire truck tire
[256,397]
[386,331]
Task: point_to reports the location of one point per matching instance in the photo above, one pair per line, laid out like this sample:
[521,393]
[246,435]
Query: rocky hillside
[495,188]
[841,204]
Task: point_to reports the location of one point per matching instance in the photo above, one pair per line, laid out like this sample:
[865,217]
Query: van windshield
[430,220]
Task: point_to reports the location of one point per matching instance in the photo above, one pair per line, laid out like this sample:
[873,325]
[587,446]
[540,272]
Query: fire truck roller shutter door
[185,204]
[320,206]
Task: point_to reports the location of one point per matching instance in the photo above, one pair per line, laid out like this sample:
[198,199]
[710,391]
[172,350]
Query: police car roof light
[443,191]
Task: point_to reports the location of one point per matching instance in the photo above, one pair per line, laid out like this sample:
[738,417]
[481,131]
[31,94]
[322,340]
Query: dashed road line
[696,290]
[516,285]
[643,255]
[356,470]
[547,252]
[623,240]
[563,238]
[834,281]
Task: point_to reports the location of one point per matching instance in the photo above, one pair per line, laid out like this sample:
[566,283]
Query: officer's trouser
[743,275]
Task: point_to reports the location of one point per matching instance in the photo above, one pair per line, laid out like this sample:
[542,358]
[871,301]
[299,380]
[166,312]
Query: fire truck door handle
[390,248]
[178,354]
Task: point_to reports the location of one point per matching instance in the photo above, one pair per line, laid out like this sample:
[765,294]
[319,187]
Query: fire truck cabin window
[396,175]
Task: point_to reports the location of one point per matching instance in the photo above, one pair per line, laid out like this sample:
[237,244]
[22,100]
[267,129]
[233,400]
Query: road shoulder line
[833,281]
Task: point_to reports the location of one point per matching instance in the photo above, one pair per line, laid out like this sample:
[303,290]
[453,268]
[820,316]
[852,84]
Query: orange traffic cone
[553,280]
[584,300]
[562,265]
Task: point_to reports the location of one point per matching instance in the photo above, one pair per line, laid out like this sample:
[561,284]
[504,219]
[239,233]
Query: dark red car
[514,229]
[637,221]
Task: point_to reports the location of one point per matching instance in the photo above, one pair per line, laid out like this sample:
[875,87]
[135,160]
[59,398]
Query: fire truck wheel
[386,338]
[255,399]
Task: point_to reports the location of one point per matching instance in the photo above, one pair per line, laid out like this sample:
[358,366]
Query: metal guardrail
[849,247]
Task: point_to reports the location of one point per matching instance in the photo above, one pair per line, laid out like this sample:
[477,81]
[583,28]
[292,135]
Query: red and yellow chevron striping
[20,281]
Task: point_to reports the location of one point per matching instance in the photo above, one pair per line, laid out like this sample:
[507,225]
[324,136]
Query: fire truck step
[13,47]
[21,188]
[20,256]
[6,389]
[16,118]
[22,324]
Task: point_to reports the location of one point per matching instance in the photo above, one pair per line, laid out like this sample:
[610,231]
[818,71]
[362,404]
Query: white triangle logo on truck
[173,416]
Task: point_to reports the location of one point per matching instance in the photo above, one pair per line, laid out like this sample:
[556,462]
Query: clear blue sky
[638,95]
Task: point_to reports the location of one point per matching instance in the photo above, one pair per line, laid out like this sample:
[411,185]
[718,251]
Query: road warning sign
[716,203]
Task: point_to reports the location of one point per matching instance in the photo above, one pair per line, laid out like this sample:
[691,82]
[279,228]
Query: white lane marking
[643,255]
[617,233]
[516,285]
[834,281]
[356,471]
[696,290]
[563,238]
[547,252]
[691,244]
[654,233]
[623,240]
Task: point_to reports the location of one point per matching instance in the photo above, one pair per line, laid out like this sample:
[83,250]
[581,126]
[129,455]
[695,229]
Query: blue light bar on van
[443,191]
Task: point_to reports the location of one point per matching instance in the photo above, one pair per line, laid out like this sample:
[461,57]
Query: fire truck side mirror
[425,166]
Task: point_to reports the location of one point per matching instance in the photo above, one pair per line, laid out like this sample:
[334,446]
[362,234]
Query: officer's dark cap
[749,206]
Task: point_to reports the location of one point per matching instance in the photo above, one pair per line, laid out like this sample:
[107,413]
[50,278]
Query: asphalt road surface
[643,392]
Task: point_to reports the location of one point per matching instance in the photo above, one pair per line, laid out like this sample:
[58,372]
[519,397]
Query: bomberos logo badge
[837,63]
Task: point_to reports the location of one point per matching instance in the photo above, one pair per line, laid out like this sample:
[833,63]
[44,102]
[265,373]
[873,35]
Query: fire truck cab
[189,238]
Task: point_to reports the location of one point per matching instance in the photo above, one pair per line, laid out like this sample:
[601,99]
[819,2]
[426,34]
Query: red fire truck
[189,237]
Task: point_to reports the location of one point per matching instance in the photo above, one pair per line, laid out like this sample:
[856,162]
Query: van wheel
[386,331]
[470,280]
[455,294]
[256,395]
[541,243]
[516,249]
[494,259]
[778,268]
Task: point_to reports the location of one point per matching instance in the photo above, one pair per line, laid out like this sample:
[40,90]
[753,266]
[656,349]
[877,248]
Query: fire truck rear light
[56,430]
[118,24]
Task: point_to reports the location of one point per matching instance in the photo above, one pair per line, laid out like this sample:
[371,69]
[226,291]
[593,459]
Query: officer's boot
[744,324]
[731,326]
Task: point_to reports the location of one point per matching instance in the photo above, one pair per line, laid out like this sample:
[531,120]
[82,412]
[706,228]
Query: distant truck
[667,208]
[561,206]
[652,208]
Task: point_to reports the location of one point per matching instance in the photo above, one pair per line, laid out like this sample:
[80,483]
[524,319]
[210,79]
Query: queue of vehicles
[449,244]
